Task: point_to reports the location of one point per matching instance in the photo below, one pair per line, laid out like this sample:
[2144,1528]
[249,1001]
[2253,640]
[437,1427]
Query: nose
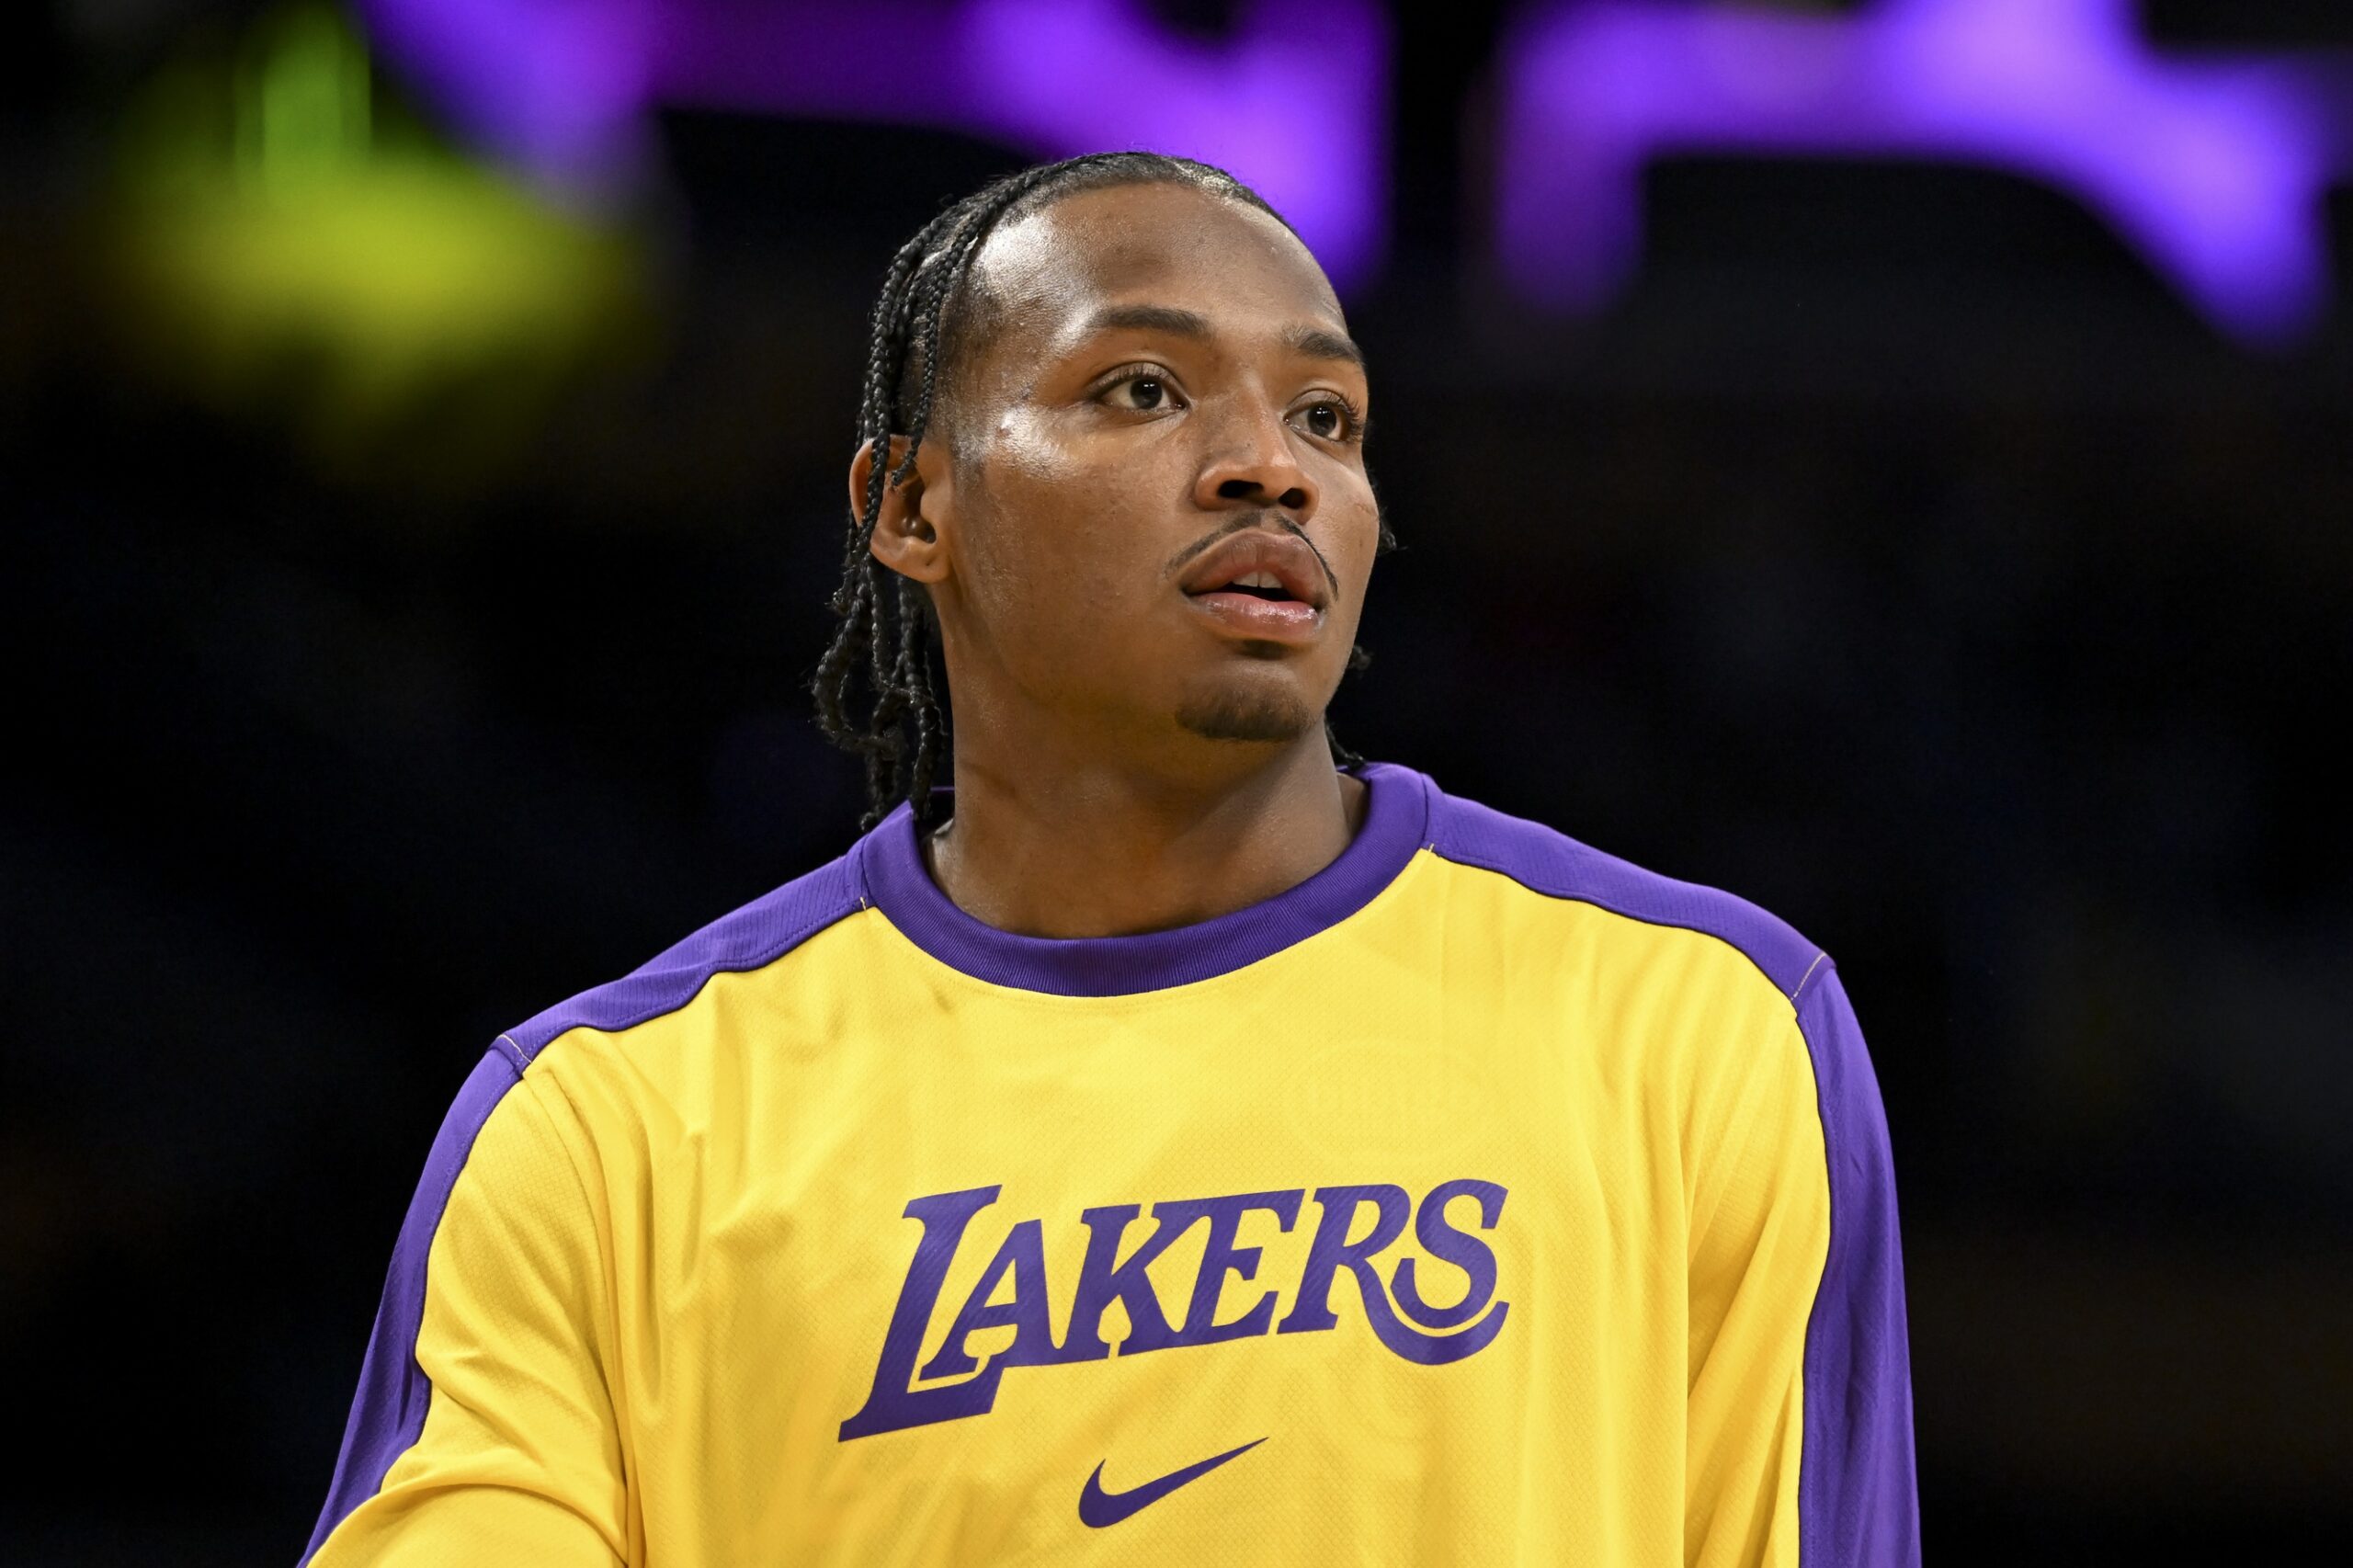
[1253,464]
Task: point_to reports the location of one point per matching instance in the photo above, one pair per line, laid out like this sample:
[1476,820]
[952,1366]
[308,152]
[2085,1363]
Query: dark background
[1898,552]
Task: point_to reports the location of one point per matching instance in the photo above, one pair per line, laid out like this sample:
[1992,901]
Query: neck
[1101,850]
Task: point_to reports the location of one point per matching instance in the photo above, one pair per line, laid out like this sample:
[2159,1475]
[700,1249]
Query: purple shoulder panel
[1857,1500]
[752,937]
[389,1413]
[1549,862]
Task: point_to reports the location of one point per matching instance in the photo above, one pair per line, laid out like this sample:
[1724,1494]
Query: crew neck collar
[890,866]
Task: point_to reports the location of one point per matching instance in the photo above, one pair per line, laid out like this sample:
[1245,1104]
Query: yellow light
[287,254]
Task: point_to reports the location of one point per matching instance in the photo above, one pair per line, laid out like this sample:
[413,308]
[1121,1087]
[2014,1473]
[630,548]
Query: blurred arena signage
[2212,167]
[1293,99]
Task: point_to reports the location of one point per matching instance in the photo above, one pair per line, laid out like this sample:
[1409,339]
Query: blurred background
[1889,461]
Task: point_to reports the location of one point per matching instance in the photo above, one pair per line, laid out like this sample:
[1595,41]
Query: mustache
[1251,521]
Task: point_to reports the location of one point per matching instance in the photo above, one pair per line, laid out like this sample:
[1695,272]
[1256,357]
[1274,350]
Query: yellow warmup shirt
[1482,1199]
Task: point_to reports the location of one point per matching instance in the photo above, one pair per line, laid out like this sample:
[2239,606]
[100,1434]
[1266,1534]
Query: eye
[1331,418]
[1142,391]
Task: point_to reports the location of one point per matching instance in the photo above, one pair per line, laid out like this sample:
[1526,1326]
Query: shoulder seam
[1820,959]
[1821,955]
[660,1007]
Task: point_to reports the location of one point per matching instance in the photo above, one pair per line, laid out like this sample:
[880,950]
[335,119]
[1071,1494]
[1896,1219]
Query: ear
[907,537]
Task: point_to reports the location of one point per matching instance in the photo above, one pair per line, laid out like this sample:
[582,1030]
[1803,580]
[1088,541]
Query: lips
[1268,566]
[1267,587]
[1262,587]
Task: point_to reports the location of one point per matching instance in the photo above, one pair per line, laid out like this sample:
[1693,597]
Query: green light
[302,102]
[288,254]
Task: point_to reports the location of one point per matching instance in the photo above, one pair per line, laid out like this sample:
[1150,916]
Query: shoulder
[1548,863]
[761,933]
[1701,975]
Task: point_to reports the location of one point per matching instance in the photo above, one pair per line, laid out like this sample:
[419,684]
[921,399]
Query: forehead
[1160,244]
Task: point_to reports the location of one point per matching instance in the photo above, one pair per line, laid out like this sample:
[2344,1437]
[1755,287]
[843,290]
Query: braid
[904,733]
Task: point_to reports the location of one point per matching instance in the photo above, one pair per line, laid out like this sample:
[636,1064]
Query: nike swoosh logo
[1097,1508]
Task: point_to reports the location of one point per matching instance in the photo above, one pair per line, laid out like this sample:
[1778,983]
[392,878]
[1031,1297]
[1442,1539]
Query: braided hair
[886,638]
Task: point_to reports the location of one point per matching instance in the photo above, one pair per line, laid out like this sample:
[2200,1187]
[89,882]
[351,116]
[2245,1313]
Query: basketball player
[1181,1142]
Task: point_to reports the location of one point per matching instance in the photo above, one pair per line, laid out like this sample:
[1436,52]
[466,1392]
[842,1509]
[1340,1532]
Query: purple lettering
[1106,1279]
[1430,1349]
[1023,1256]
[1333,1251]
[894,1403]
[1221,1257]
[1100,1283]
[1468,1252]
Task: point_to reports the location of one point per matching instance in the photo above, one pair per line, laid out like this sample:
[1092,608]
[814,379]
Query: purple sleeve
[1857,1505]
[388,1411]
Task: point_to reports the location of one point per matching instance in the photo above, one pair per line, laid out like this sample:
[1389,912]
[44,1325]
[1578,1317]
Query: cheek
[1056,562]
[1354,538]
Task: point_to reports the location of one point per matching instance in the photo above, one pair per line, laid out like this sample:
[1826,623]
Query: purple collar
[890,865]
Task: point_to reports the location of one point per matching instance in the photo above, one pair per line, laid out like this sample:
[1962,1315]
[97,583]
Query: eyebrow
[1314,342]
[1147,318]
[1318,344]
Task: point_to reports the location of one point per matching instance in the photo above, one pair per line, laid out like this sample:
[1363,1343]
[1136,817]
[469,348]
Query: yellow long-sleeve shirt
[1483,1199]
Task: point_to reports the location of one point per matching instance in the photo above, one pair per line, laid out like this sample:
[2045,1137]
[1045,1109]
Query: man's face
[1156,524]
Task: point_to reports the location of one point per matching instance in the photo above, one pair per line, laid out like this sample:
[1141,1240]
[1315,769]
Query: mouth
[1262,587]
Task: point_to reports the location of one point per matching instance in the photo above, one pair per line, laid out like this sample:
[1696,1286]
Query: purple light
[1294,101]
[2214,169]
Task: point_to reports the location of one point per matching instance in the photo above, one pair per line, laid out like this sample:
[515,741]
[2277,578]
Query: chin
[1264,716]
